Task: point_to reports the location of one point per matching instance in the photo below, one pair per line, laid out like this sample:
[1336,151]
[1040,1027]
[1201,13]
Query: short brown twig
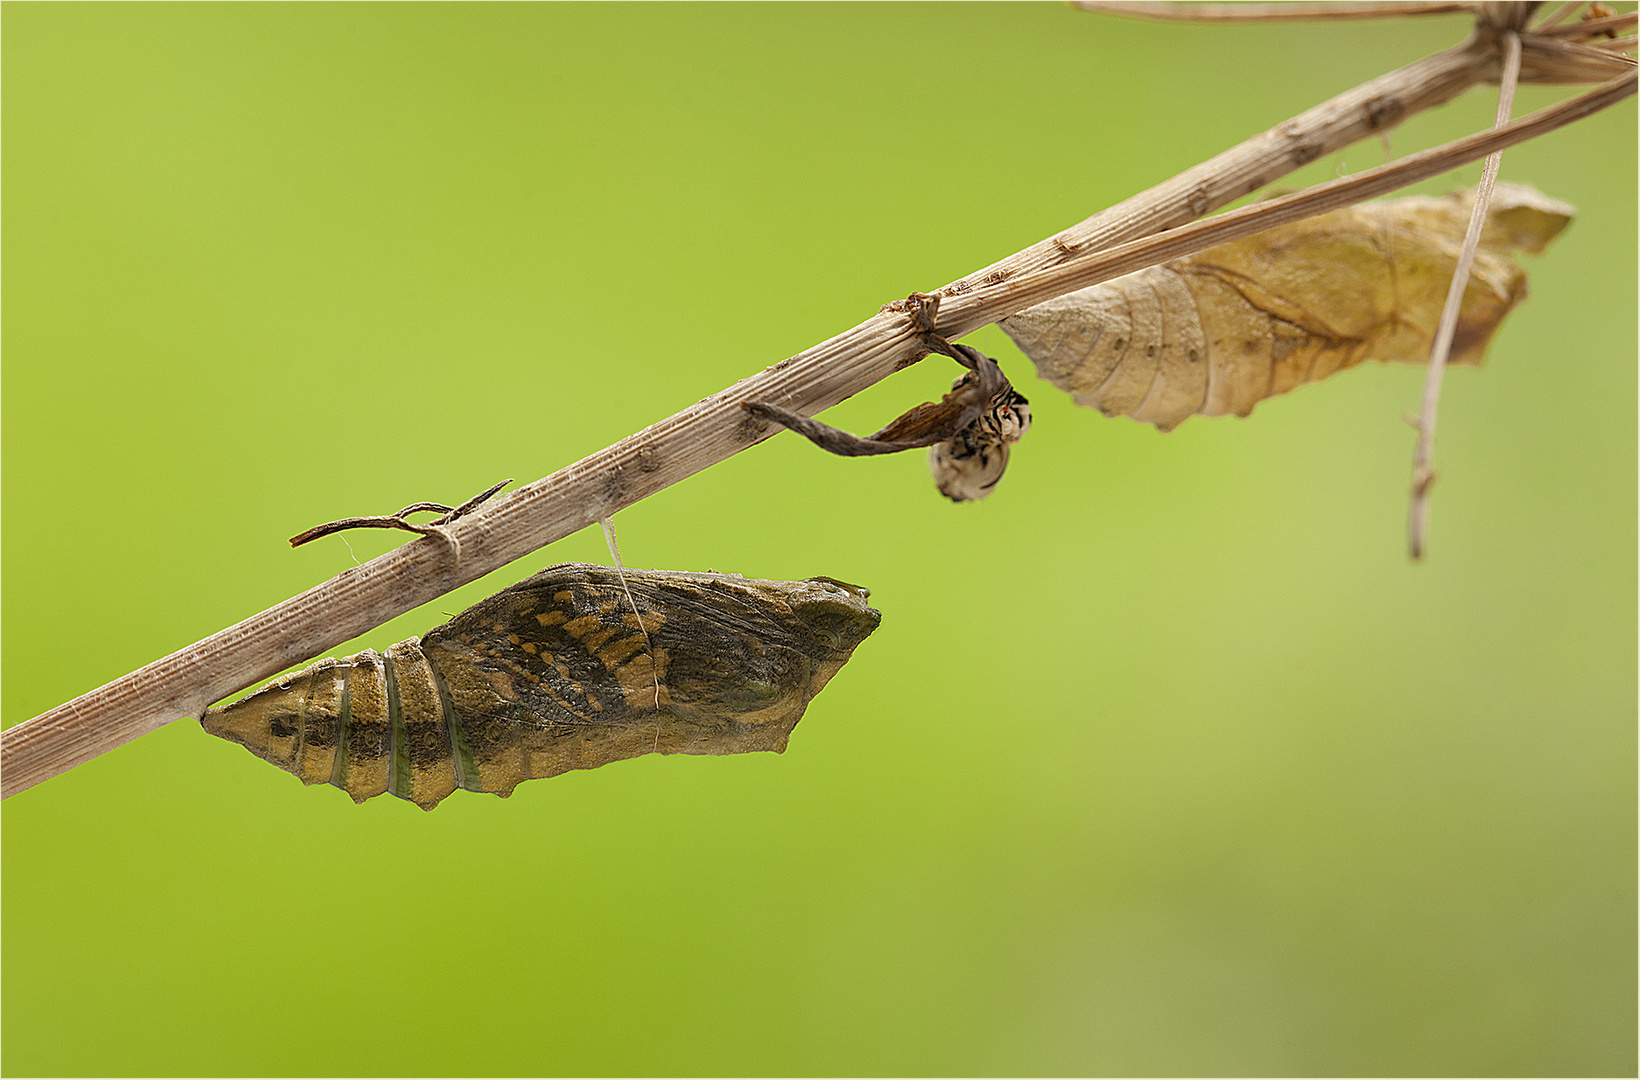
[397,521]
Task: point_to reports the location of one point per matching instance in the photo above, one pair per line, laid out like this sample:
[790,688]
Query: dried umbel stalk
[1220,331]
[569,669]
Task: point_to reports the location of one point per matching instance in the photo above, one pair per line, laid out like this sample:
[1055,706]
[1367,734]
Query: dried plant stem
[574,497]
[1423,473]
[1234,224]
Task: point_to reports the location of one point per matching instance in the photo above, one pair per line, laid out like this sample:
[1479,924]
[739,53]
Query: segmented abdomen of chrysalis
[557,673]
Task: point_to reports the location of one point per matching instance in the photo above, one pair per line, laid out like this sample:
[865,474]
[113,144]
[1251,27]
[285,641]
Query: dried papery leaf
[1220,331]
[570,669]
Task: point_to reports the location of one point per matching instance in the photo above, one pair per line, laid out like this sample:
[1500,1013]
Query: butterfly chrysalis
[568,669]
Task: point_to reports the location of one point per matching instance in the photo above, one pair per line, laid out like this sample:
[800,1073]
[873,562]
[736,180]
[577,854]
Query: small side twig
[1423,472]
[397,521]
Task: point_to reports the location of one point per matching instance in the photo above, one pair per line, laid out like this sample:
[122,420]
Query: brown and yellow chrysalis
[565,670]
[1220,331]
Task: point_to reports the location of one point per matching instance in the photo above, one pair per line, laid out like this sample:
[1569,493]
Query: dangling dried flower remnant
[969,430]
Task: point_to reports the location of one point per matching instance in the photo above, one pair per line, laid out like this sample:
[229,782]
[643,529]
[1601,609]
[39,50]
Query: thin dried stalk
[594,488]
[1282,12]
[1552,60]
[1423,473]
[1591,27]
[1558,14]
[1018,281]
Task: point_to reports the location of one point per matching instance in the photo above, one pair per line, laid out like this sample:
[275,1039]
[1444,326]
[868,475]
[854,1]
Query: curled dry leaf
[565,670]
[1222,330]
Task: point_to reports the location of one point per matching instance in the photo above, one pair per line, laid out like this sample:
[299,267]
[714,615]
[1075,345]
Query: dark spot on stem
[1383,111]
[1200,202]
[1302,153]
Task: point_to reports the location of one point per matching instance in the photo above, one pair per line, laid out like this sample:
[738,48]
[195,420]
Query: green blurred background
[1165,759]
